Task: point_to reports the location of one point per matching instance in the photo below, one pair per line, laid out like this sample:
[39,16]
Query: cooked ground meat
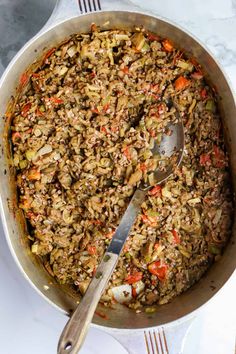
[82,134]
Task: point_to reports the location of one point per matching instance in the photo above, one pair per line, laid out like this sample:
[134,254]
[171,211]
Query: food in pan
[82,133]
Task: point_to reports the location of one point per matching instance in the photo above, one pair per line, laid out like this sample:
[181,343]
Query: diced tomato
[150,93]
[34,175]
[126,152]
[93,27]
[217,152]
[106,107]
[104,130]
[95,222]
[134,292]
[91,250]
[219,157]
[24,78]
[126,248]
[167,44]
[144,218]
[181,83]
[95,110]
[156,191]
[161,108]
[152,132]
[55,100]
[197,75]
[136,50]
[133,278]
[31,215]
[152,37]
[205,159]
[156,246]
[125,70]
[24,203]
[207,200]
[110,234]
[26,109]
[203,93]
[49,53]
[38,112]
[143,167]
[152,221]
[154,282]
[155,88]
[35,75]
[93,75]
[158,269]
[176,236]
[15,136]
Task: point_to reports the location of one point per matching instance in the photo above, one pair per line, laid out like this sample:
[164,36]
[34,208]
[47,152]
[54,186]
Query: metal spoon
[76,328]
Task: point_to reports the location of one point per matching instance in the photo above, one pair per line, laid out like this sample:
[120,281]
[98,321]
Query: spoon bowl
[171,149]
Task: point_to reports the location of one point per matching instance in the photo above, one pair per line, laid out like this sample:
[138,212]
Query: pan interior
[119,316]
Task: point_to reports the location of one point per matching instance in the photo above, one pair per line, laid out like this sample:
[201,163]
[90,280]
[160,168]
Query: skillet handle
[167,339]
[76,328]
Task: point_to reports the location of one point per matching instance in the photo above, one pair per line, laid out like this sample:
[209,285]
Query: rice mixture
[82,134]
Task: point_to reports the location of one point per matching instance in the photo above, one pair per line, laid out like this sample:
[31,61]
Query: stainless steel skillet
[65,21]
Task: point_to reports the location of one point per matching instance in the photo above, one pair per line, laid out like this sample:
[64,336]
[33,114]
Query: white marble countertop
[29,325]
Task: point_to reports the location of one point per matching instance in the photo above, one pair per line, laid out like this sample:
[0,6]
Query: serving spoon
[171,147]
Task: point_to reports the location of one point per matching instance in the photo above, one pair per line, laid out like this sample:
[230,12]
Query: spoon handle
[76,328]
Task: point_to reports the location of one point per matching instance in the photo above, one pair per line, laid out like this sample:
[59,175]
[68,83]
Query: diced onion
[46,149]
[122,293]
[121,37]
[34,249]
[30,154]
[184,65]
[71,51]
[217,216]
